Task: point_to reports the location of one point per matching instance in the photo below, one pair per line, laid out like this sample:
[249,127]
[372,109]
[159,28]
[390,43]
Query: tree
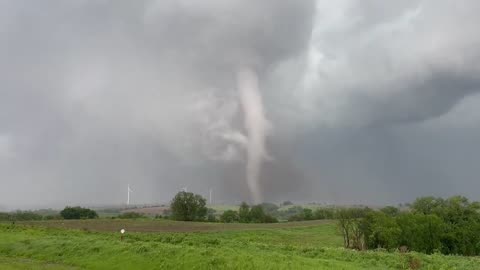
[427,205]
[78,213]
[421,233]
[244,213]
[307,214]
[351,227]
[391,211]
[187,206]
[229,216]
[324,213]
[292,213]
[345,218]
[451,226]
[385,231]
[270,208]
[211,217]
[257,215]
[286,203]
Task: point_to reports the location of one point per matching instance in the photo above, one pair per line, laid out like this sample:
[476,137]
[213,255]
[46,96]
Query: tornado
[256,126]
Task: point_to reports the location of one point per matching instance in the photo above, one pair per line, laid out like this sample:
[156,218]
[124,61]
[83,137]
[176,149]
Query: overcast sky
[373,102]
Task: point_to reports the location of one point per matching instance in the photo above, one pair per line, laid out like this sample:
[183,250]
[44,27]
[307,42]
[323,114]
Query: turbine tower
[128,194]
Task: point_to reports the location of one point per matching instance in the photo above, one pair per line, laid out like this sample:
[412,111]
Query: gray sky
[367,101]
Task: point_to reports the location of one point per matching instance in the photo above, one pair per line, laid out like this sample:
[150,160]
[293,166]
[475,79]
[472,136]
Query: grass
[163,225]
[7,263]
[310,245]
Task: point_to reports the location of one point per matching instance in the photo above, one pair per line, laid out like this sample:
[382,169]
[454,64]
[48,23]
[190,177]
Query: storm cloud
[366,102]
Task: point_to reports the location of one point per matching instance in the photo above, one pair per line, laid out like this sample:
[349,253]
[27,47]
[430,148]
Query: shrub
[78,213]
[131,215]
[229,216]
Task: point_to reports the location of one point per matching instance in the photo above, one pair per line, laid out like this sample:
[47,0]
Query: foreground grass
[26,264]
[316,246]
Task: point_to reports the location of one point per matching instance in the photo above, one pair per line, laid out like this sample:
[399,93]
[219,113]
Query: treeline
[448,226]
[67,213]
[309,214]
[275,213]
[187,206]
[22,216]
[247,214]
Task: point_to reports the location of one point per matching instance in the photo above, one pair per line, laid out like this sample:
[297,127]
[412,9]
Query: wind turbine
[210,197]
[128,194]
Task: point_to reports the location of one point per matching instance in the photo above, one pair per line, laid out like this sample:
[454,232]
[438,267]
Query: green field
[162,244]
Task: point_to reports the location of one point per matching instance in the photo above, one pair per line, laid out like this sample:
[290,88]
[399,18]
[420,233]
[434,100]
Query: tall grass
[280,248]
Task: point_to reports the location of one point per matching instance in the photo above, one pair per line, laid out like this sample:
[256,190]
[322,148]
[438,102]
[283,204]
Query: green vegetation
[7,263]
[229,216]
[296,245]
[20,215]
[78,213]
[450,226]
[255,214]
[131,215]
[298,213]
[286,211]
[187,206]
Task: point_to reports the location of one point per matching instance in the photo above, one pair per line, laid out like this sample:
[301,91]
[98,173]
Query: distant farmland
[148,225]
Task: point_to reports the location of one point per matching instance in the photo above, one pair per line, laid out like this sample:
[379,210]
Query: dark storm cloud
[364,98]
[97,94]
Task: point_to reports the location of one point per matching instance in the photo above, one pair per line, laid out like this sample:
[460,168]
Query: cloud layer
[368,102]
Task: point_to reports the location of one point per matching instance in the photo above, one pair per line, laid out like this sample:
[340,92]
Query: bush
[131,215]
[78,213]
[293,213]
[229,216]
[305,214]
[324,213]
[53,217]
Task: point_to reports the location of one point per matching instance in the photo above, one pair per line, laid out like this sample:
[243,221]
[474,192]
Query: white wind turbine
[129,190]
[210,197]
